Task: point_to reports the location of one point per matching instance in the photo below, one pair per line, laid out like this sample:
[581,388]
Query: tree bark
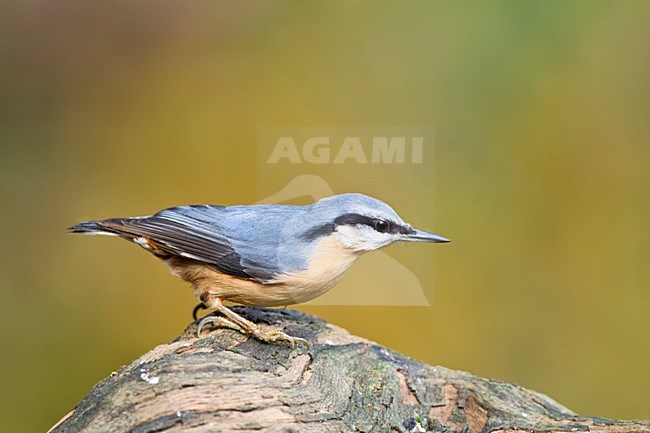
[225,382]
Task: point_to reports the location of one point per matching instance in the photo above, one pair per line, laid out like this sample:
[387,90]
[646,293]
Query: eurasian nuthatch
[262,255]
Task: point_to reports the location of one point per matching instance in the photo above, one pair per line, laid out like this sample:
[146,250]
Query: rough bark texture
[226,382]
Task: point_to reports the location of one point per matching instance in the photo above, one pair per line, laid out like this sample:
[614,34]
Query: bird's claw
[278,336]
[254,331]
[196,310]
[220,322]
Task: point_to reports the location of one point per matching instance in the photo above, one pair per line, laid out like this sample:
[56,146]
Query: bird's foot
[249,328]
[277,337]
[218,322]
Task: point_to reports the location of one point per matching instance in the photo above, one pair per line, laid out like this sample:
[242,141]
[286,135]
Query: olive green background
[542,177]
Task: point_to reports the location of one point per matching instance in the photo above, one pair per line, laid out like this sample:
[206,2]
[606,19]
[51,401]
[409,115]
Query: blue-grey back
[265,237]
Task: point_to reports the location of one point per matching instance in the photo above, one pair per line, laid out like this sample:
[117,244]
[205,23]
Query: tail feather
[91,228]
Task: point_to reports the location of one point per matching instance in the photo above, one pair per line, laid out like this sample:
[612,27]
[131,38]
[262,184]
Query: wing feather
[188,232]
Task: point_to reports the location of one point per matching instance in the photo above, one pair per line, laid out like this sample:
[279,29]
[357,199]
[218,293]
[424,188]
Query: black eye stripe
[375,223]
[353,219]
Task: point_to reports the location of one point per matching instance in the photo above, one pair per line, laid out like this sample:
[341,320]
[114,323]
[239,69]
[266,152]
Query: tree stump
[226,382]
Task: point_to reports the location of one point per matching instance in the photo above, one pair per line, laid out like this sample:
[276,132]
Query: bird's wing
[193,232]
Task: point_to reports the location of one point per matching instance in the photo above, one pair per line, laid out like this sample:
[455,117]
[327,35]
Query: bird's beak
[422,236]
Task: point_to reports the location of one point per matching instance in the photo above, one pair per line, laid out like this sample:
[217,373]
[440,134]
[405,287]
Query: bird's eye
[382,226]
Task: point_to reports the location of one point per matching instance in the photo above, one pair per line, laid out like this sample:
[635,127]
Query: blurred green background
[542,158]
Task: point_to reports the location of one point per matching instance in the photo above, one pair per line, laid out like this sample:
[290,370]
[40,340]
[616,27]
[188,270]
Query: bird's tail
[93,228]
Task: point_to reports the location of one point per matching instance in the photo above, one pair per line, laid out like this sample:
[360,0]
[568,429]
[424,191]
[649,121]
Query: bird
[263,255]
